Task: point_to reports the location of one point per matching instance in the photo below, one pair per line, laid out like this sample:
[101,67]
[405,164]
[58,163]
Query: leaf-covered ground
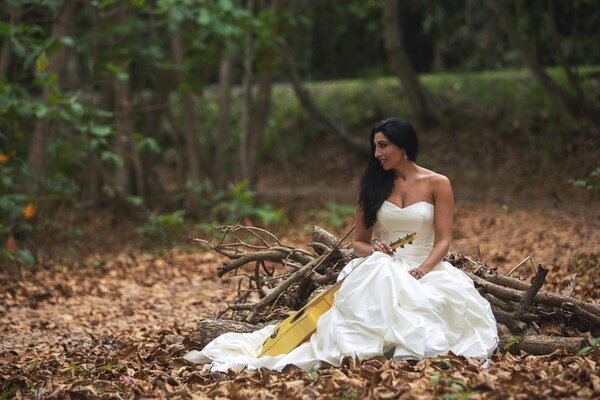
[114,325]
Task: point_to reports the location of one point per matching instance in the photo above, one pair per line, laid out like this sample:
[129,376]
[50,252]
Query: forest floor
[113,321]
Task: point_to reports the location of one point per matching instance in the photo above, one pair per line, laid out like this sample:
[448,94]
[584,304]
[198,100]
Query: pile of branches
[277,279]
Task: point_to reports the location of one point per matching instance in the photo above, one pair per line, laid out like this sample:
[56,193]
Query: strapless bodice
[394,222]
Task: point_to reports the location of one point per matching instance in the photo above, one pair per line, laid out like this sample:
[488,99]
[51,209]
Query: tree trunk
[246,132]
[6,52]
[37,158]
[260,116]
[131,167]
[189,128]
[556,41]
[419,98]
[576,106]
[224,120]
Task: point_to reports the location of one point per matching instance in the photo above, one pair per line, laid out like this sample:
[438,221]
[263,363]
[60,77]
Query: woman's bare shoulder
[434,178]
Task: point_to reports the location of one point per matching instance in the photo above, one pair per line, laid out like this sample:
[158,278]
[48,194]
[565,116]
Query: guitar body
[298,327]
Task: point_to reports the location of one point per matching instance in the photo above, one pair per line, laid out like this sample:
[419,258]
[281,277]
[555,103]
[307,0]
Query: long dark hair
[376,184]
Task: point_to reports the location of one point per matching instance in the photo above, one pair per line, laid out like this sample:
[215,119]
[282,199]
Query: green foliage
[513,340]
[333,214]
[162,229]
[236,203]
[13,220]
[588,349]
[591,182]
[453,388]
[315,374]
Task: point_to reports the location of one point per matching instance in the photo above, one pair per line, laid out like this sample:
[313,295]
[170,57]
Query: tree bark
[189,126]
[208,329]
[260,115]
[419,98]
[537,344]
[37,158]
[246,131]
[224,120]
[131,167]
[576,106]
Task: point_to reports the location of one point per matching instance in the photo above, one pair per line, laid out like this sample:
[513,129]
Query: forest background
[126,126]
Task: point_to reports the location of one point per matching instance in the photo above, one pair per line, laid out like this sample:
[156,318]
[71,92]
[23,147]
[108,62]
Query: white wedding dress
[380,308]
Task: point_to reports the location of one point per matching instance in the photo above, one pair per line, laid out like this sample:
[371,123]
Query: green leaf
[77,109]
[121,75]
[5,29]
[135,201]
[204,17]
[41,111]
[110,367]
[145,144]
[24,256]
[109,156]
[18,47]
[101,130]
[67,41]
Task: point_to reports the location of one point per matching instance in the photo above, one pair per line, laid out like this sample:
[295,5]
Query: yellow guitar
[298,327]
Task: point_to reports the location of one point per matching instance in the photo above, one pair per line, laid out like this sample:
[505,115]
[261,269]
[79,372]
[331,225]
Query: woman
[408,303]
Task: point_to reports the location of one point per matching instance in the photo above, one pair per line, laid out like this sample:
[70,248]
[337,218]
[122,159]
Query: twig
[251,230]
[518,265]
[538,281]
[270,255]
[259,285]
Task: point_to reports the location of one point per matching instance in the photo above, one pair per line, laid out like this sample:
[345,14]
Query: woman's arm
[362,238]
[442,225]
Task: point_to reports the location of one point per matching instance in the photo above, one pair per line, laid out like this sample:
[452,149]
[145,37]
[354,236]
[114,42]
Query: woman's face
[387,152]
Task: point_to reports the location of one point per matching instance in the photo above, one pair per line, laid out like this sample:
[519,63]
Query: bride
[407,303]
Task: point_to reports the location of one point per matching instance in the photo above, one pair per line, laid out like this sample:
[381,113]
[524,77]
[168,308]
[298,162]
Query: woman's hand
[417,273]
[382,247]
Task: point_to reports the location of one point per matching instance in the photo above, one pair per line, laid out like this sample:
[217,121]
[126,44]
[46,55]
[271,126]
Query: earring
[405,157]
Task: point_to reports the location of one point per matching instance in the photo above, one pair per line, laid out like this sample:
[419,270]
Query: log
[320,235]
[209,329]
[538,344]
[542,297]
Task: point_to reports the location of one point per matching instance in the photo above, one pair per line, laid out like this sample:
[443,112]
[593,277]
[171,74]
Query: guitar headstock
[408,239]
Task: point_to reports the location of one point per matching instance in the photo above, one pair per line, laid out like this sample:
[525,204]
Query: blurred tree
[420,99]
[572,98]
[52,71]
[224,118]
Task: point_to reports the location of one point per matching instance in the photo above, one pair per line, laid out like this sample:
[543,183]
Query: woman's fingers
[382,247]
[416,273]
